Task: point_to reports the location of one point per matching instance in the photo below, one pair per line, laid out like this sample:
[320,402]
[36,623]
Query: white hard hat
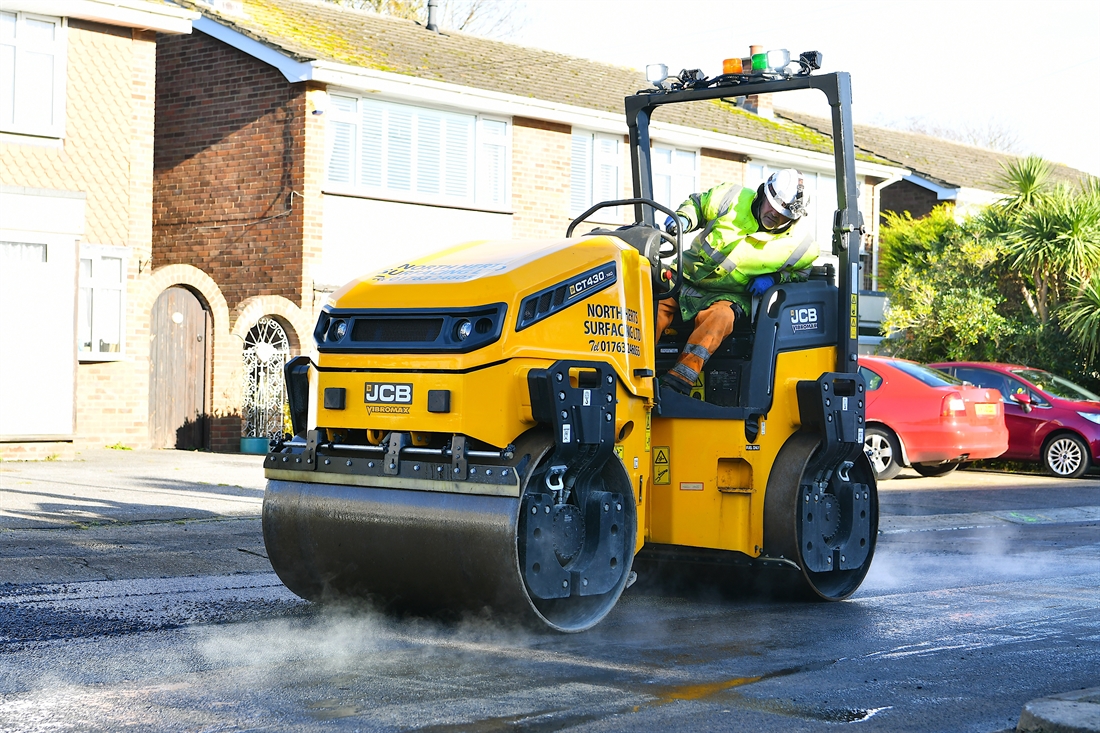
[786,192]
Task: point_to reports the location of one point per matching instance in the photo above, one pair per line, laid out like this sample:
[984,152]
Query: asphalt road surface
[135,595]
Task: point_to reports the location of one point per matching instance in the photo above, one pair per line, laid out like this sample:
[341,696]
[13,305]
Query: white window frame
[19,48]
[95,285]
[675,170]
[596,172]
[346,112]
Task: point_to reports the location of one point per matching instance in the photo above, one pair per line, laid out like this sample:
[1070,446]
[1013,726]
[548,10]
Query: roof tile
[944,162]
[307,30]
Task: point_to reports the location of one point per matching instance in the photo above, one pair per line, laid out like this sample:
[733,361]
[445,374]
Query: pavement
[186,512]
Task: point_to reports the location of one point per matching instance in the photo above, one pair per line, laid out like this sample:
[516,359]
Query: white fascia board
[978,196]
[149,16]
[293,71]
[943,193]
[807,159]
[411,89]
[398,87]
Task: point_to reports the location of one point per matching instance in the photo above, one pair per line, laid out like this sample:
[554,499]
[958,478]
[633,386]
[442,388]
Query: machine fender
[583,417]
[821,515]
[781,510]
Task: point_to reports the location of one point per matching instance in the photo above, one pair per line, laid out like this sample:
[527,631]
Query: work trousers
[712,325]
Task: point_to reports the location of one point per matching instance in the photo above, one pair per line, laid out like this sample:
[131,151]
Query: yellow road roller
[483,429]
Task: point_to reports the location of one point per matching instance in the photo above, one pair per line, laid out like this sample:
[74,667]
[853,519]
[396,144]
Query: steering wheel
[658,247]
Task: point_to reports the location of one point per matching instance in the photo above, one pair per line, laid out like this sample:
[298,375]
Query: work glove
[676,224]
[760,284]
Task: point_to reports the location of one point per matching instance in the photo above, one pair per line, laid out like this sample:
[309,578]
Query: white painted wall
[38,312]
[366,235]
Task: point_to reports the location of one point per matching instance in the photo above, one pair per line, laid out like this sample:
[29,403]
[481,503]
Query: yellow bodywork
[697,482]
[708,489]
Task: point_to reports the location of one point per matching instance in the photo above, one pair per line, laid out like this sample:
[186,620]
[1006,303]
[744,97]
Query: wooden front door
[177,371]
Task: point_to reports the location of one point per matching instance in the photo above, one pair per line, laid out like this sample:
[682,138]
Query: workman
[750,241]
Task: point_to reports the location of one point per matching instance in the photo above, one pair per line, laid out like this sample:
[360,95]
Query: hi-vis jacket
[732,249]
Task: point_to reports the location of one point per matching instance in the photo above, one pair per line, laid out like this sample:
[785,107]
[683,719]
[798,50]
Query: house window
[597,170]
[32,74]
[395,150]
[675,175]
[101,315]
[22,252]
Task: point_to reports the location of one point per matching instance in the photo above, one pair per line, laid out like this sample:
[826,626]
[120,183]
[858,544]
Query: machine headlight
[463,329]
[1091,416]
[778,59]
[337,329]
[656,73]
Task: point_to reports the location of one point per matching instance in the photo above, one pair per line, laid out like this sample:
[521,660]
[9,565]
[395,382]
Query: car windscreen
[927,375]
[1057,386]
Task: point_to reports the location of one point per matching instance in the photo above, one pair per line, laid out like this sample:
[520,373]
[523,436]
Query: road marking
[897,524]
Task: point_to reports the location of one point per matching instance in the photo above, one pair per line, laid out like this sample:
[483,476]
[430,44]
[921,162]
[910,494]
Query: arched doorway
[178,356]
[266,350]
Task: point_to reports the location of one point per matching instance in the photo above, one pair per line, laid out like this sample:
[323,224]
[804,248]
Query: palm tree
[1056,241]
[1081,318]
[1052,234]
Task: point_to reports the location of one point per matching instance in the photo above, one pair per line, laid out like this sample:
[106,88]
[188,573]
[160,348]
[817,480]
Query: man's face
[771,219]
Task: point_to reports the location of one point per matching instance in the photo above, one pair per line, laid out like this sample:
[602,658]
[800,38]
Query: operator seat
[732,362]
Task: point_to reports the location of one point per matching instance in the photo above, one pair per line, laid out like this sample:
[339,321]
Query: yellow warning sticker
[648,429]
[662,466]
[698,391]
[619,449]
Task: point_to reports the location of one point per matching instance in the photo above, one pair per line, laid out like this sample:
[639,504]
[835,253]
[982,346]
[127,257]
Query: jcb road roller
[483,429]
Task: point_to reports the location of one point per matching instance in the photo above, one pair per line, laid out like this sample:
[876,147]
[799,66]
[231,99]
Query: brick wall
[108,154]
[313,201]
[906,196]
[719,166]
[541,164]
[229,169]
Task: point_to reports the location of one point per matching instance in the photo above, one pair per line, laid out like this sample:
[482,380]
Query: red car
[926,419]
[1050,419]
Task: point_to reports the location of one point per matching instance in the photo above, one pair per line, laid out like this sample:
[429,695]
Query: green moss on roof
[308,30]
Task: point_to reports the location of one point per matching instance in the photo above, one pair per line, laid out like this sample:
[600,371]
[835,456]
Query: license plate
[985,408]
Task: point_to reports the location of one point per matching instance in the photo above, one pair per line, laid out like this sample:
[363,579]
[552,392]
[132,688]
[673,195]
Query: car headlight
[463,329]
[1091,416]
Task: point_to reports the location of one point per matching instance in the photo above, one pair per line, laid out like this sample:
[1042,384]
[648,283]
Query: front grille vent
[396,330]
[408,330]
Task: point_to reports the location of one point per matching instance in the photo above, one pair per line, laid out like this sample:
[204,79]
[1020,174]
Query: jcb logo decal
[384,392]
[803,315]
[804,319]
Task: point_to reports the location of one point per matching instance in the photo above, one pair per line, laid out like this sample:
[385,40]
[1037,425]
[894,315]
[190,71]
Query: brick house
[300,143]
[76,192]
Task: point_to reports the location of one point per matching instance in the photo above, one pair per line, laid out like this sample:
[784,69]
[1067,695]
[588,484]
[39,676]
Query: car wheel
[883,451]
[1066,456]
[931,470]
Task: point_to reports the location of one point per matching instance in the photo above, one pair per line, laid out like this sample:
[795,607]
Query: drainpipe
[433,9]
